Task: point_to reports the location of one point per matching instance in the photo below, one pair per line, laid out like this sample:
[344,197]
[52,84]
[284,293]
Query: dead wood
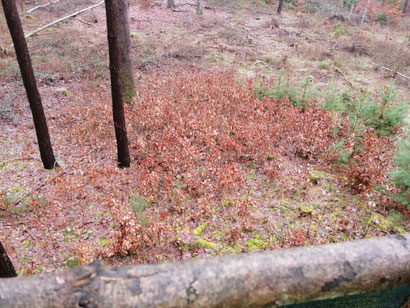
[393,71]
[271,279]
[62,19]
[41,6]
[344,77]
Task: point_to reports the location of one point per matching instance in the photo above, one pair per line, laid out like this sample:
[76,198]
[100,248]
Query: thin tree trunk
[125,42]
[351,11]
[360,26]
[199,7]
[29,80]
[171,4]
[279,10]
[112,8]
[405,6]
[6,267]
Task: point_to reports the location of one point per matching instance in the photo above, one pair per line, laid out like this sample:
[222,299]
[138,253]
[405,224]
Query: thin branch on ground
[195,5]
[344,76]
[19,159]
[84,22]
[391,70]
[62,19]
[41,6]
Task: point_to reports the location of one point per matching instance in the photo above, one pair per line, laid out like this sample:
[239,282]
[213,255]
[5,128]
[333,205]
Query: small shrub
[401,176]
[385,116]
[340,30]
[324,65]
[298,95]
[381,18]
[138,205]
[336,101]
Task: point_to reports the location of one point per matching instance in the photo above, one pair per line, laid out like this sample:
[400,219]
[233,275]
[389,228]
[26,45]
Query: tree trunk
[267,279]
[405,6]
[117,85]
[29,80]
[199,7]
[6,267]
[279,11]
[354,45]
[171,4]
[125,42]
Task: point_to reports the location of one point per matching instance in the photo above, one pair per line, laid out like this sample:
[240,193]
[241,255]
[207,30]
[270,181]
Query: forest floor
[191,191]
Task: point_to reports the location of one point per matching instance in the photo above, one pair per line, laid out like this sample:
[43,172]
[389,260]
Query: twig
[196,5]
[84,22]
[62,19]
[38,187]
[389,69]
[41,6]
[17,159]
[9,224]
[351,11]
[344,77]
[191,4]
[25,229]
[361,25]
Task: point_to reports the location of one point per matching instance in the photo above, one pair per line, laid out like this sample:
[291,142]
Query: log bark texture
[117,85]
[249,280]
[30,84]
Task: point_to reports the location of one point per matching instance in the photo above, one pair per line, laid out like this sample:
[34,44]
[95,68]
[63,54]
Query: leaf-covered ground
[215,170]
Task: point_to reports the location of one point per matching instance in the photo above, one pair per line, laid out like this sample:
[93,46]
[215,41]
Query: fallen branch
[84,22]
[178,11]
[393,71]
[196,5]
[41,6]
[62,19]
[191,4]
[267,279]
[344,77]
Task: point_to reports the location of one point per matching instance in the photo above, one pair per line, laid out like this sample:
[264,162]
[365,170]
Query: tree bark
[279,10]
[171,4]
[6,267]
[112,8]
[267,279]
[125,43]
[199,7]
[405,6]
[30,84]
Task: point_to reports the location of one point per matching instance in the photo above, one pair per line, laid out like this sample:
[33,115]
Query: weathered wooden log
[248,280]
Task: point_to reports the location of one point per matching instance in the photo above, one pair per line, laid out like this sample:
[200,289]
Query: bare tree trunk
[29,80]
[112,8]
[360,26]
[279,10]
[351,11]
[267,279]
[125,42]
[405,5]
[6,267]
[199,7]
[171,4]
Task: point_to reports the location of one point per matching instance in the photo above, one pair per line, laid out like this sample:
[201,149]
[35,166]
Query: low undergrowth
[208,149]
